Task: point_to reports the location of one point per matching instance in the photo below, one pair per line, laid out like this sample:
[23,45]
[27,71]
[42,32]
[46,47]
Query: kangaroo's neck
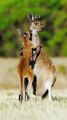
[34,37]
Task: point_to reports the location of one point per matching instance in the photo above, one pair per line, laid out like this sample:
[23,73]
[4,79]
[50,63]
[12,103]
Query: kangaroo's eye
[35,23]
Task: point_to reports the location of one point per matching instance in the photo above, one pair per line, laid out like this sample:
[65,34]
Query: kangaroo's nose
[43,28]
[40,46]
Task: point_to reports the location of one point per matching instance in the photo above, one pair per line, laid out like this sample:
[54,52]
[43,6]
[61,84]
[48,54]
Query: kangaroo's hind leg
[26,85]
[34,84]
[22,90]
[47,89]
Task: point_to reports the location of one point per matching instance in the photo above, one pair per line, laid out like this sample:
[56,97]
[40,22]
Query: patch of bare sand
[9,77]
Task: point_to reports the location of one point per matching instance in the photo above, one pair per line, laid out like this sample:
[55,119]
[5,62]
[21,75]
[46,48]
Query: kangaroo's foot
[20,98]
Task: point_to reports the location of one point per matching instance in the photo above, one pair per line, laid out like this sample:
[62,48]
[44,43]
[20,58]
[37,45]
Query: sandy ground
[9,77]
[12,109]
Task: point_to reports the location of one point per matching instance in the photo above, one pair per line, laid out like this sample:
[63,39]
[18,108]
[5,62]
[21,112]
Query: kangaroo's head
[27,45]
[35,22]
[25,41]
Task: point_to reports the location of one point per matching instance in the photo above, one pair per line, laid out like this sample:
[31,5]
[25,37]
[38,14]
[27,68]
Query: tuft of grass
[10,93]
[10,69]
[62,69]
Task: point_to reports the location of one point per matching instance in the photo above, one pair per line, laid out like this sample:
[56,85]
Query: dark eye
[35,23]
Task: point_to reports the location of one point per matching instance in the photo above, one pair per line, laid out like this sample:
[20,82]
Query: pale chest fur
[35,38]
[45,72]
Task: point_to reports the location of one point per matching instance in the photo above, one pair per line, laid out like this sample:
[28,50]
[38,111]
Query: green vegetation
[13,14]
[62,69]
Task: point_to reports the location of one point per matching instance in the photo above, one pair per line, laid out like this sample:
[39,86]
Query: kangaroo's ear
[19,31]
[30,17]
[37,16]
[25,35]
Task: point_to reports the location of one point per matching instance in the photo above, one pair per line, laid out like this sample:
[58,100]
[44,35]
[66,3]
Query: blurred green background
[13,14]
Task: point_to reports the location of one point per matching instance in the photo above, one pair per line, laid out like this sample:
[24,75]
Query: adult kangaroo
[44,67]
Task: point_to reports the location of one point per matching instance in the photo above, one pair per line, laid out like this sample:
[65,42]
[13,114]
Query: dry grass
[12,109]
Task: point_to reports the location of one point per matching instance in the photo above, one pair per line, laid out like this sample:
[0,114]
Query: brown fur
[46,61]
[24,70]
[44,68]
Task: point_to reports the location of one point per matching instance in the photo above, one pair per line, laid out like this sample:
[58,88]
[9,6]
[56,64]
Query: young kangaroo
[44,68]
[25,69]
